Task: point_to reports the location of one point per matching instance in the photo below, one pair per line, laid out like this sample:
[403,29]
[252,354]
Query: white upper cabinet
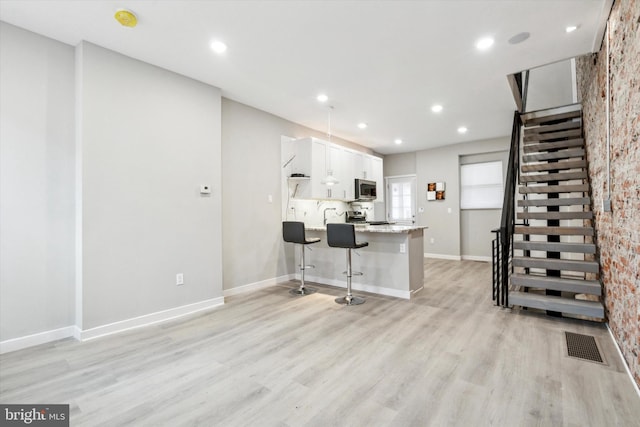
[318,169]
[349,172]
[377,176]
[317,159]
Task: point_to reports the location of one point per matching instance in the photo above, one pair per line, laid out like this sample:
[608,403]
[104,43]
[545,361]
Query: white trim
[624,362]
[36,339]
[443,256]
[476,258]
[257,285]
[411,175]
[602,22]
[149,319]
[397,293]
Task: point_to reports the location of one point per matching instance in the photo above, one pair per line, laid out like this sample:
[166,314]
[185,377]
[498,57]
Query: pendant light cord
[329,121]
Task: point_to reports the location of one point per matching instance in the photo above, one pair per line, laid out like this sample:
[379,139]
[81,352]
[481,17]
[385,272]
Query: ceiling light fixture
[218,47]
[571,28]
[398,141]
[519,38]
[436,108]
[462,129]
[362,125]
[322,98]
[126,18]
[484,43]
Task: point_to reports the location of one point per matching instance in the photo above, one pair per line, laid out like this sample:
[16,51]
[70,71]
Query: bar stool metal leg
[349,299]
[303,290]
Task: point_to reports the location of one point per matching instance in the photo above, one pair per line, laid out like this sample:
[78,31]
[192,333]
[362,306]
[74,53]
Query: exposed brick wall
[618,232]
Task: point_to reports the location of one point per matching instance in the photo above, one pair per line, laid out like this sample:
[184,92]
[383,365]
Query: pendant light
[329,180]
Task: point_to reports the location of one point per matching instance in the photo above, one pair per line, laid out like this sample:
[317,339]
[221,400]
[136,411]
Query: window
[481,185]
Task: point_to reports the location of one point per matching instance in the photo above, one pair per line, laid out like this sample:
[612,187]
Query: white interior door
[401,199]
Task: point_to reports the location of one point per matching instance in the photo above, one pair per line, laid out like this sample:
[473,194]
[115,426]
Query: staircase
[553,219]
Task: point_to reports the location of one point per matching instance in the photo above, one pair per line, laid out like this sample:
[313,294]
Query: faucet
[325,214]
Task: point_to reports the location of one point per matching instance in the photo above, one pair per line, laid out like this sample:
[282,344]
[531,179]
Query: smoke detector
[126,18]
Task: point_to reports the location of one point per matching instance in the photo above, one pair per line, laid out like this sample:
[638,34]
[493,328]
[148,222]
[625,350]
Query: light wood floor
[447,357]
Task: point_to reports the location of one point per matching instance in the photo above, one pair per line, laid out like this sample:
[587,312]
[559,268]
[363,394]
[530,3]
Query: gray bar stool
[344,236]
[293,232]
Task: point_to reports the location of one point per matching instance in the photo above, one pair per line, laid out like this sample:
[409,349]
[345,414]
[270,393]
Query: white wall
[253,248]
[550,85]
[149,138]
[36,183]
[400,164]
[442,165]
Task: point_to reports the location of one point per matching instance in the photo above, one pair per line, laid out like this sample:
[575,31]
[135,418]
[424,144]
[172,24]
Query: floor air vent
[583,347]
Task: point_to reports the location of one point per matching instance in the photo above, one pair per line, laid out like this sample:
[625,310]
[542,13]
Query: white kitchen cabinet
[349,173]
[377,175]
[316,159]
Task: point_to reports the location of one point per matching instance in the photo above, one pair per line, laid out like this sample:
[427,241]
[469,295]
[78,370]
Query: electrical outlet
[270,198]
[403,248]
[432,240]
[179,279]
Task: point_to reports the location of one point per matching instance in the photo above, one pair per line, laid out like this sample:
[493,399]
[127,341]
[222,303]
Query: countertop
[366,228]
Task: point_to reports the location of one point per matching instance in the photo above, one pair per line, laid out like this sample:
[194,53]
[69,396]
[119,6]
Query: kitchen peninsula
[392,263]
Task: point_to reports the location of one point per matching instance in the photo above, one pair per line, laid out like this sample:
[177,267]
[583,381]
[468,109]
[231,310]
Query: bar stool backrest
[293,232]
[341,236]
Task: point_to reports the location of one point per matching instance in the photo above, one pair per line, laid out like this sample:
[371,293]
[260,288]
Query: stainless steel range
[356,217]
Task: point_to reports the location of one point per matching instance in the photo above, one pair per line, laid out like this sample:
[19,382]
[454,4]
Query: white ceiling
[381,62]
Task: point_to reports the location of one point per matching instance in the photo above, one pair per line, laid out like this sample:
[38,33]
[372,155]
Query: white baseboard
[149,319]
[257,285]
[476,258]
[443,256]
[360,287]
[36,339]
[624,362]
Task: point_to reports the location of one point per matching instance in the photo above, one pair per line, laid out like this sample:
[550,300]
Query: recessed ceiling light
[322,97]
[571,28]
[484,43]
[362,125]
[462,129]
[398,141]
[436,108]
[218,47]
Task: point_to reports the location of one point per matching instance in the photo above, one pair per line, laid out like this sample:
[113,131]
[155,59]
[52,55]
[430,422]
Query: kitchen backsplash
[314,212]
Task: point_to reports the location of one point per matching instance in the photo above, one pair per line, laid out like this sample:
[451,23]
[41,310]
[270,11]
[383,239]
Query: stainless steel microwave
[365,190]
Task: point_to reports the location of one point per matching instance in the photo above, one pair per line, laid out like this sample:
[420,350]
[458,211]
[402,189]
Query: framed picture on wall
[435,191]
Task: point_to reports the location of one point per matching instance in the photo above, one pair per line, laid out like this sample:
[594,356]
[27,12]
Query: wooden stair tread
[574,124]
[566,188]
[585,248]
[556,264]
[565,201]
[555,215]
[554,155]
[591,287]
[554,303]
[556,145]
[571,133]
[554,231]
[561,165]
[566,112]
[560,176]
